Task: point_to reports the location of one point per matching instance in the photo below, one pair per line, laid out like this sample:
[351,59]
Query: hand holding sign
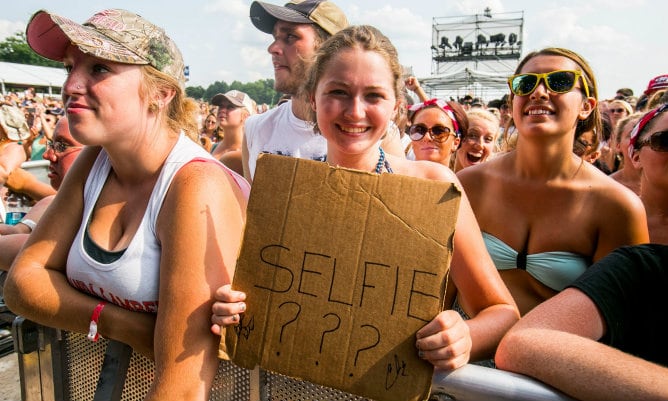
[227,308]
[336,291]
[445,341]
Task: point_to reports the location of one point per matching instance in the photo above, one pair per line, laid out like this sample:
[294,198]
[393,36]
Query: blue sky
[624,40]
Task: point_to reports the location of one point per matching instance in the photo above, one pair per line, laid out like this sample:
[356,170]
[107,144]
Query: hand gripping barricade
[57,365]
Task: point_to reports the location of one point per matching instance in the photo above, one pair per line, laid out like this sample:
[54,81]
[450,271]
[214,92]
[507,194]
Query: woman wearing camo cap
[147,224]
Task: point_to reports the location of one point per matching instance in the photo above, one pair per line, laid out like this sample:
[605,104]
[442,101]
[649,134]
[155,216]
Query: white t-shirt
[279,131]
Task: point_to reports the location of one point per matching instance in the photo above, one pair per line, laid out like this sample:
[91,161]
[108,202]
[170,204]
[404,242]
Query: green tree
[262,91]
[15,49]
[214,88]
[195,92]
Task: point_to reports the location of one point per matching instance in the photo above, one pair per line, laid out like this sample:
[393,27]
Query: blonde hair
[656,99]
[623,103]
[181,112]
[485,115]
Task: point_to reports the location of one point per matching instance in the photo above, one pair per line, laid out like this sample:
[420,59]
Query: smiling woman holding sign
[354,89]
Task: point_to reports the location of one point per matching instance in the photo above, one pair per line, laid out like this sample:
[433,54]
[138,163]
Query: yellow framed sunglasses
[560,81]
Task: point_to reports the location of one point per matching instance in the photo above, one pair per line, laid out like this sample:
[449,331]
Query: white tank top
[131,281]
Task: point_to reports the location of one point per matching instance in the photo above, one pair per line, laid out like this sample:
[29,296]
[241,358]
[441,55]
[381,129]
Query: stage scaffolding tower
[474,54]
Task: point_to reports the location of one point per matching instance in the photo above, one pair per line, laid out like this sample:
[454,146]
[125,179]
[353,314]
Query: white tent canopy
[481,83]
[43,79]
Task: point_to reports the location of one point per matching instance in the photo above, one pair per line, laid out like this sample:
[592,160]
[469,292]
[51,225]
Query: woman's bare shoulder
[605,187]
[477,176]
[200,172]
[423,169]
[204,181]
[612,204]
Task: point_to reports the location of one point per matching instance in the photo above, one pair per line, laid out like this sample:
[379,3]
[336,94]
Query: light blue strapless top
[554,269]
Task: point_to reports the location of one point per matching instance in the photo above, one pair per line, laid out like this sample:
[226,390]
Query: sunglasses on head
[658,141]
[439,133]
[560,81]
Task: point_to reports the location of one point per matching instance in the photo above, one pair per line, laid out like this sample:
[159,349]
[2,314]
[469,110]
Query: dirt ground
[10,389]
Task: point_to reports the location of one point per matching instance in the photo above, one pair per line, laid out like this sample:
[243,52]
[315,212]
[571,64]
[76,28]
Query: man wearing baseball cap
[298,29]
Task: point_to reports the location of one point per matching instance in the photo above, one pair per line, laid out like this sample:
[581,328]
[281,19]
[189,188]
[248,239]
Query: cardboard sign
[341,269]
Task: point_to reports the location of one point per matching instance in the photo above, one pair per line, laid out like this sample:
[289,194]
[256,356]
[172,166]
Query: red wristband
[93,335]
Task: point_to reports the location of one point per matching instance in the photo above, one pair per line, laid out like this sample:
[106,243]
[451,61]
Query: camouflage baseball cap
[115,35]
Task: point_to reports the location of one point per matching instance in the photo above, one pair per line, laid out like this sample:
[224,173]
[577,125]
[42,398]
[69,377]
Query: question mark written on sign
[293,316]
[328,330]
[373,331]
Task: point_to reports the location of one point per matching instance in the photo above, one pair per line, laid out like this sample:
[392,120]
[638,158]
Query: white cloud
[409,32]
[256,62]
[236,8]
[9,28]
[468,7]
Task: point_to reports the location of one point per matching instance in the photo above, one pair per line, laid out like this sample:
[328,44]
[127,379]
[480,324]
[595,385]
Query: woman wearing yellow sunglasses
[546,215]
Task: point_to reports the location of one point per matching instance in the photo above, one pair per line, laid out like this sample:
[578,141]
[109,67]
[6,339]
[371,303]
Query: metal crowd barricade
[55,365]
[40,168]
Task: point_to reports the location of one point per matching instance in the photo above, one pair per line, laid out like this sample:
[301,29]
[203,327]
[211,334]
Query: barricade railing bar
[55,365]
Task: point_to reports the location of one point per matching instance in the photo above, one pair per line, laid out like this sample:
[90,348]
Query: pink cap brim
[49,35]
[45,37]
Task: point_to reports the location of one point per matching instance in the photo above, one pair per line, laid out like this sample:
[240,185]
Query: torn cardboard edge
[341,268]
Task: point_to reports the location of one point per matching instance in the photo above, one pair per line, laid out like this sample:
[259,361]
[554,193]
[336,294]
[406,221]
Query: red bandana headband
[640,126]
[442,105]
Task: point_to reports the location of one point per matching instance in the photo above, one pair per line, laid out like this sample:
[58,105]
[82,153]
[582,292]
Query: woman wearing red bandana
[648,150]
[437,129]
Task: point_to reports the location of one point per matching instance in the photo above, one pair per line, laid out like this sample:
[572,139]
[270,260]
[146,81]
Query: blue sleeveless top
[556,269]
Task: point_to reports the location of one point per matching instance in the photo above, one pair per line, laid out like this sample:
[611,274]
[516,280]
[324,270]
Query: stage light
[488,12]
[499,39]
[458,42]
[482,40]
[445,43]
[512,38]
[467,48]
